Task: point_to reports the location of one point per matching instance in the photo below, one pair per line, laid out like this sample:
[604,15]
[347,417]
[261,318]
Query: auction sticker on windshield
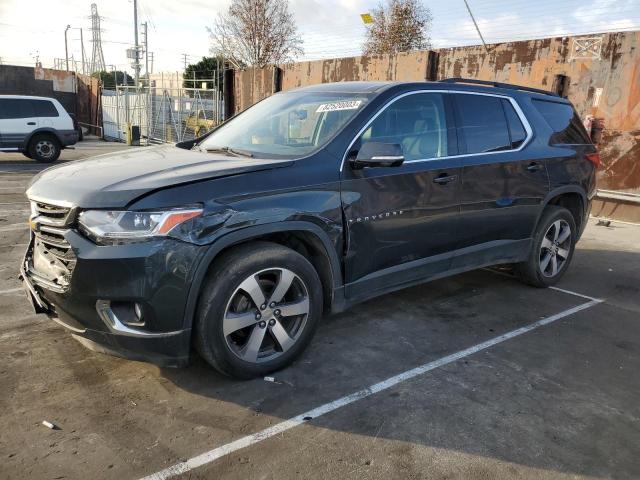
[332,107]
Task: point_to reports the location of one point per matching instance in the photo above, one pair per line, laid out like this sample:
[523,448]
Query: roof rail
[497,84]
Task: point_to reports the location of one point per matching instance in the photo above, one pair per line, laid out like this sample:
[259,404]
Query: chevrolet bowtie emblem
[33,225]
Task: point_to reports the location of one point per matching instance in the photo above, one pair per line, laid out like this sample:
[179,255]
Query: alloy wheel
[266,315]
[555,248]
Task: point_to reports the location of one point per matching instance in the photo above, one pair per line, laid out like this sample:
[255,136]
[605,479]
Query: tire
[227,324]
[26,154]
[552,248]
[44,148]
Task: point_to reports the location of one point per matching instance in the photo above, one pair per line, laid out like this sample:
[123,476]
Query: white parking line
[16,210]
[14,226]
[281,427]
[563,290]
[11,291]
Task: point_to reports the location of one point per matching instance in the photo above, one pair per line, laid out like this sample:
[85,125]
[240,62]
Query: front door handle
[534,167]
[444,178]
[31,123]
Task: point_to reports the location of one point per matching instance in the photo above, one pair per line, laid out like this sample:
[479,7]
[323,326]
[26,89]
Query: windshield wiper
[229,150]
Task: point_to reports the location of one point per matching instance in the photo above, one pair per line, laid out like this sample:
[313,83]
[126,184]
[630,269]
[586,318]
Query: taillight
[594,158]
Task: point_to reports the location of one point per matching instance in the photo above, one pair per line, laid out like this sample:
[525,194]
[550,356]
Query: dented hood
[116,179]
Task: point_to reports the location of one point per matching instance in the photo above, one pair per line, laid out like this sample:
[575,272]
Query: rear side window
[15,108]
[565,122]
[516,130]
[482,123]
[44,108]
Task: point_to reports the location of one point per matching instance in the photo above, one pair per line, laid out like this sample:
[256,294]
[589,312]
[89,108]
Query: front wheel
[258,310]
[552,250]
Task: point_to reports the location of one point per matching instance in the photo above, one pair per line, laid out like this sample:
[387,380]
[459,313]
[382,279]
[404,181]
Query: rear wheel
[258,310]
[552,250]
[44,148]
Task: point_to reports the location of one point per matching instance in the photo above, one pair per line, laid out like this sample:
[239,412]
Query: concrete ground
[559,401]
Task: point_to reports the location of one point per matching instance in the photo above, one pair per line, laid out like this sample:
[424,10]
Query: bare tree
[256,33]
[398,26]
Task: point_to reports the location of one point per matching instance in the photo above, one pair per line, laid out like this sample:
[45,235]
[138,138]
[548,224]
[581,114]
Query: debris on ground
[49,425]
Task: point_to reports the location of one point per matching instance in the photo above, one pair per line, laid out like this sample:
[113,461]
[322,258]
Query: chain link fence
[162,114]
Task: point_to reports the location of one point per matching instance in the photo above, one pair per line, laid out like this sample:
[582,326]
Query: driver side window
[416,122]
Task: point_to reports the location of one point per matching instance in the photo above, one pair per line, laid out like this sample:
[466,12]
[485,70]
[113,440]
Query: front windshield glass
[287,125]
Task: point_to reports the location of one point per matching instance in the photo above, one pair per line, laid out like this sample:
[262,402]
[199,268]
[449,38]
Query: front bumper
[156,275]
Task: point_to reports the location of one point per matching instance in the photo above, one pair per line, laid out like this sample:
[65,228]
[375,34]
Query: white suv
[39,127]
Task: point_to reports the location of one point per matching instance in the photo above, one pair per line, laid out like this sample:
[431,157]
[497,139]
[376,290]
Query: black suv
[307,203]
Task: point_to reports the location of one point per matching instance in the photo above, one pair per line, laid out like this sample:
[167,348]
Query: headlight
[114,226]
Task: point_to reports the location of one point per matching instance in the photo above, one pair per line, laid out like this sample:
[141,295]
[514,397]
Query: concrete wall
[604,82]
[78,94]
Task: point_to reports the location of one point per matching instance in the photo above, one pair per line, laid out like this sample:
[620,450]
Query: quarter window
[416,122]
[482,123]
[565,122]
[44,108]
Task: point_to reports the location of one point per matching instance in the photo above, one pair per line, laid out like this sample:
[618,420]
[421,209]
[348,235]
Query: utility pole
[184,56]
[146,51]
[476,25]
[136,65]
[82,51]
[66,49]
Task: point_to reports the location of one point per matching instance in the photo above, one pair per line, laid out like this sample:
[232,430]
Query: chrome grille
[47,214]
[52,259]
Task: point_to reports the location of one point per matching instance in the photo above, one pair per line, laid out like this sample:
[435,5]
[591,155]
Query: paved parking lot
[476,376]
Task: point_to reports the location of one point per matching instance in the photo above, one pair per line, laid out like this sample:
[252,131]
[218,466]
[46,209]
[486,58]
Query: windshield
[286,125]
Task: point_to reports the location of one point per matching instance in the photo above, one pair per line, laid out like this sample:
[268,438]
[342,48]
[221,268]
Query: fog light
[128,313]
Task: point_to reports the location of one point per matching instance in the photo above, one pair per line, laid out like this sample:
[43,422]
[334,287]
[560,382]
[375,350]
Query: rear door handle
[444,178]
[534,167]
[31,123]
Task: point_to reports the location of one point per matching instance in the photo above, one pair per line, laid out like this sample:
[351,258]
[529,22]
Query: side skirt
[428,269]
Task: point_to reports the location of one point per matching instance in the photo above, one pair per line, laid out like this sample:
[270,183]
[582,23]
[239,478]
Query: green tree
[209,70]
[398,26]
[108,79]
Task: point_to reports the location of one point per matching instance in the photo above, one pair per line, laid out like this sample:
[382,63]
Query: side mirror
[377,154]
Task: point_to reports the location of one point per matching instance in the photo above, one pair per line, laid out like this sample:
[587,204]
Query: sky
[329,28]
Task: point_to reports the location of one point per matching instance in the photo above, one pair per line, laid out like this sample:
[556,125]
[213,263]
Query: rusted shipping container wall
[254,84]
[251,86]
[88,101]
[600,74]
[602,78]
[403,66]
